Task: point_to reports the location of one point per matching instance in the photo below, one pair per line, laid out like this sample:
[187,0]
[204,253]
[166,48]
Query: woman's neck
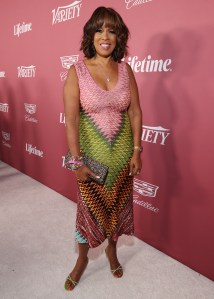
[105,61]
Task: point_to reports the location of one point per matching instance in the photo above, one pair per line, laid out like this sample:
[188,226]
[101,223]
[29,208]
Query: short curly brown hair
[111,19]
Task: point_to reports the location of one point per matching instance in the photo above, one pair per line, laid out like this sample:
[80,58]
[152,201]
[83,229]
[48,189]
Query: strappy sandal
[70,286]
[118,272]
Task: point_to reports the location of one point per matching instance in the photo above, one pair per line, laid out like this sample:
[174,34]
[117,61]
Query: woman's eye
[99,30]
[112,31]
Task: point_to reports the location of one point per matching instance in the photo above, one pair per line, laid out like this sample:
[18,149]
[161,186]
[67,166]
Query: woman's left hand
[135,164]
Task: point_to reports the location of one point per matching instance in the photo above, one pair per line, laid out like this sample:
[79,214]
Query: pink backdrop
[170,51]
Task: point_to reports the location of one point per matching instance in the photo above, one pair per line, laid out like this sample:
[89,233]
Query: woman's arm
[135,116]
[71,98]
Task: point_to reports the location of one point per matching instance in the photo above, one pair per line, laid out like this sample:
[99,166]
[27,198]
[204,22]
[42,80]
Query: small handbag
[96,167]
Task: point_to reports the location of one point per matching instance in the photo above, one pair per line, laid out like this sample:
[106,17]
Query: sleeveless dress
[105,211]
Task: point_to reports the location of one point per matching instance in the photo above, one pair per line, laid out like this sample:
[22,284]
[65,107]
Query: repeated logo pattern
[2,74]
[26,71]
[4,107]
[6,139]
[22,28]
[62,118]
[30,109]
[132,3]
[33,150]
[5,135]
[145,204]
[156,135]
[67,61]
[65,13]
[144,188]
[149,65]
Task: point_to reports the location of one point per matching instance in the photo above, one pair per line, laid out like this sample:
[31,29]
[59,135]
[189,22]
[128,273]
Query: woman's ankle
[82,259]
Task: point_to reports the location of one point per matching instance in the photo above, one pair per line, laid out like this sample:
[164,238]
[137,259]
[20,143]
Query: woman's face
[105,41]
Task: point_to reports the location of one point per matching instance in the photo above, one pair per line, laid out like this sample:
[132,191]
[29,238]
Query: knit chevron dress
[105,211]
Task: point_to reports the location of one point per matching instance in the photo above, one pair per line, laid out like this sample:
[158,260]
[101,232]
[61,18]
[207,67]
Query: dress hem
[98,244]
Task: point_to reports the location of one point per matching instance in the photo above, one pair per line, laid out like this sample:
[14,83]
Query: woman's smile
[105,46]
[105,40]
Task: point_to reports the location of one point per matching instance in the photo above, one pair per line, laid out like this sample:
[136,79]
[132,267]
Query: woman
[103,121]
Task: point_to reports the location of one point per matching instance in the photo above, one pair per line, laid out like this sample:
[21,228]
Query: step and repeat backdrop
[170,51]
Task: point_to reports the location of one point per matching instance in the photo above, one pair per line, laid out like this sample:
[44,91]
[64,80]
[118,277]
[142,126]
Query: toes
[118,274]
[69,286]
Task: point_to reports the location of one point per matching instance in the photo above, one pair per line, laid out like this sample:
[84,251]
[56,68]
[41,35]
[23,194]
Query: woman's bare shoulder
[129,69]
[72,73]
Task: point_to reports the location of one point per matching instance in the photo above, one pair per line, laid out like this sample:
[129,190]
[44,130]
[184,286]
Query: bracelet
[75,158]
[75,162]
[139,148]
[76,166]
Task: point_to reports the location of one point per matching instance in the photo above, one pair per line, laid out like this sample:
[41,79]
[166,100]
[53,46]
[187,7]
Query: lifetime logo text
[65,13]
[26,71]
[22,28]
[33,150]
[149,65]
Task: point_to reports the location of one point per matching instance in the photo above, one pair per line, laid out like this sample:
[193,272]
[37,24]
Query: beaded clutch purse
[98,168]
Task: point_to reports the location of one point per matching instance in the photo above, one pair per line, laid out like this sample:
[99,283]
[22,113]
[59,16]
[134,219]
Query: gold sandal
[73,285]
[70,286]
[118,272]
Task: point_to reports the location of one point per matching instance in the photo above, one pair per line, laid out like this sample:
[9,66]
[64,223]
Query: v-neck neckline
[118,78]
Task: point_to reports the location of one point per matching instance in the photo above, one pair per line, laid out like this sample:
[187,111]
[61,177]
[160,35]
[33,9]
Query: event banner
[170,52]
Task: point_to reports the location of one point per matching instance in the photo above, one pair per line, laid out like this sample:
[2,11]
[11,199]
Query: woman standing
[104,122]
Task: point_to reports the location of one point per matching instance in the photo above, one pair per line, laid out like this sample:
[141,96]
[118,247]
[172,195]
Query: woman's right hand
[83,172]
